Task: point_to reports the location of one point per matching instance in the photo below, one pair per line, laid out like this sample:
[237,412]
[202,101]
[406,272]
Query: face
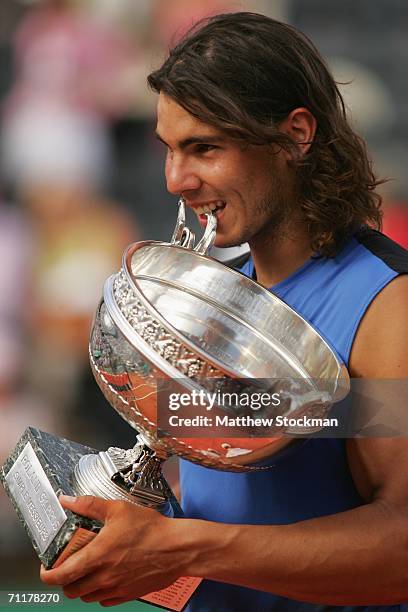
[250,187]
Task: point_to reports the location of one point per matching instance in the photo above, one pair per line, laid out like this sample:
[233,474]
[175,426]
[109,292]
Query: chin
[225,243]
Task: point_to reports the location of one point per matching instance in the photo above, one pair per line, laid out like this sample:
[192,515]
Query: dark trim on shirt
[390,252]
[238,262]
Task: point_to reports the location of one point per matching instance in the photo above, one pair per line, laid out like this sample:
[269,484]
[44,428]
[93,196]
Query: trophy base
[43,466]
[39,470]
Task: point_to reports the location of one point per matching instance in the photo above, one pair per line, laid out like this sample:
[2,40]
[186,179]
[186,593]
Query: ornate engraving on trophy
[35,497]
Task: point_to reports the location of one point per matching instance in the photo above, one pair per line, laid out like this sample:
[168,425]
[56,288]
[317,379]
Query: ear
[300,125]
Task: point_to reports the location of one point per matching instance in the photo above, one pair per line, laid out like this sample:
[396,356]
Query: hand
[136,552]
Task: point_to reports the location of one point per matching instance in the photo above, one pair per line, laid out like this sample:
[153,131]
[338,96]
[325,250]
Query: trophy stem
[133,475]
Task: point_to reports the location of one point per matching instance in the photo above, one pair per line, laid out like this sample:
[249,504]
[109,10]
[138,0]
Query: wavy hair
[243,73]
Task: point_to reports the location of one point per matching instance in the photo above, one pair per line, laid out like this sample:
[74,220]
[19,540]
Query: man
[255,130]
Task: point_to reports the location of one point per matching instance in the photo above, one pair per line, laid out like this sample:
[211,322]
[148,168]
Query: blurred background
[81,176]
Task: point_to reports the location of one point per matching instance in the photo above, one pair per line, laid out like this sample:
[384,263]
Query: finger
[81,563]
[100,595]
[107,603]
[68,572]
[87,585]
[87,505]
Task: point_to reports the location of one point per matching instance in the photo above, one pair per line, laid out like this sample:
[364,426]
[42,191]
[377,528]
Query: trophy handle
[184,237]
[208,237]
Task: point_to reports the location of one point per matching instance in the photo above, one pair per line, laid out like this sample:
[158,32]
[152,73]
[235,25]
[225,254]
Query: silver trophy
[172,321]
[175,318]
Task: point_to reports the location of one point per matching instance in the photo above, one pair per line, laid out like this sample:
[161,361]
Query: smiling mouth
[212,208]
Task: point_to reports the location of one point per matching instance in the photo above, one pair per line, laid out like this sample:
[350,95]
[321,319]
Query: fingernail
[67,498]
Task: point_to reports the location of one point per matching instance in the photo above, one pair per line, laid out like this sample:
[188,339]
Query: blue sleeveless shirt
[312,478]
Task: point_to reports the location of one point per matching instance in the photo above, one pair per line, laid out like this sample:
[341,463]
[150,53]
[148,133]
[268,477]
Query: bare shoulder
[379,466]
[380,348]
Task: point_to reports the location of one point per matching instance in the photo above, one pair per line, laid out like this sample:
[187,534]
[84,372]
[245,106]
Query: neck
[276,256]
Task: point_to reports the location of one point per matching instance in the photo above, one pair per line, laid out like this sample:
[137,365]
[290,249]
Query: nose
[181,176]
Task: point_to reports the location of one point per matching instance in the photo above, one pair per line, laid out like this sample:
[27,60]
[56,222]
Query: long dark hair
[243,73]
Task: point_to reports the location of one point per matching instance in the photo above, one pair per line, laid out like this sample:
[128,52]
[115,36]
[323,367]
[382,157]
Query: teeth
[209,208]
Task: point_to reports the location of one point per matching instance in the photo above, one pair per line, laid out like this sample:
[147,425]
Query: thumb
[86,505]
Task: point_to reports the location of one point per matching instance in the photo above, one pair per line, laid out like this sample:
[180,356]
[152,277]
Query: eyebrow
[198,139]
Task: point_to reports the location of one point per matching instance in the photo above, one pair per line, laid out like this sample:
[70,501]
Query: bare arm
[356,557]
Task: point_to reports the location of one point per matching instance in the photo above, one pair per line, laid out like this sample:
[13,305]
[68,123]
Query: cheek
[213,174]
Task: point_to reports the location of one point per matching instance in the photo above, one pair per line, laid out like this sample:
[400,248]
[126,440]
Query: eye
[204,148]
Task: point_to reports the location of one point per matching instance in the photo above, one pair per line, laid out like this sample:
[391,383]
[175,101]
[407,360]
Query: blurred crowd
[81,177]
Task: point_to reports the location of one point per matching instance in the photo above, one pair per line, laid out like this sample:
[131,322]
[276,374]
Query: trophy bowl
[173,316]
